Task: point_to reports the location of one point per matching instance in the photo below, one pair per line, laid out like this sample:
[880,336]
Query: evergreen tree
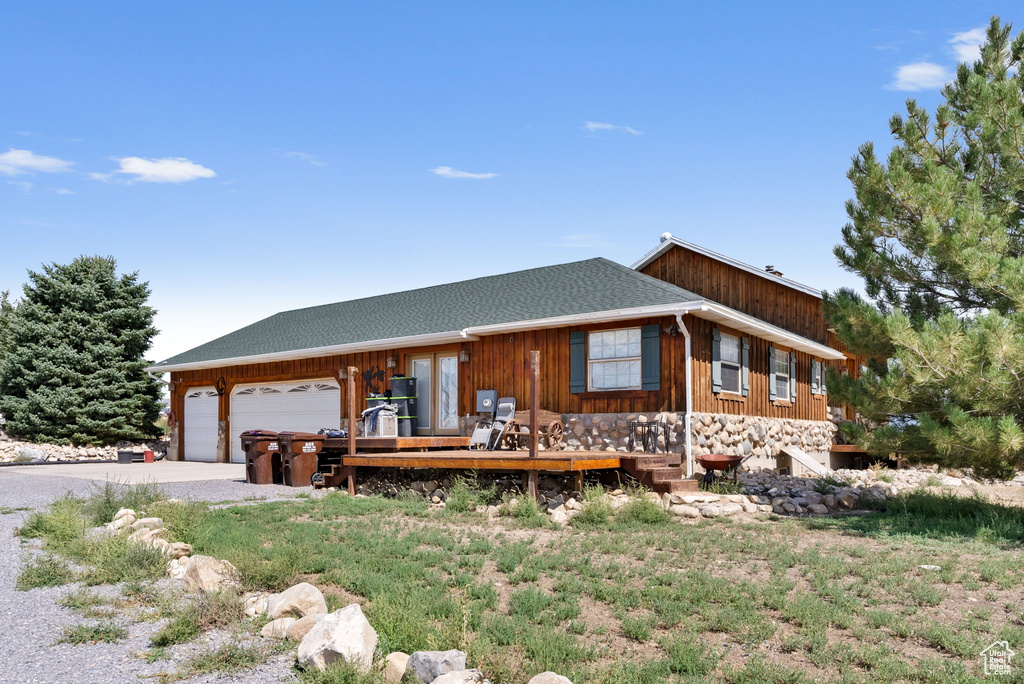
[937,233]
[6,323]
[75,372]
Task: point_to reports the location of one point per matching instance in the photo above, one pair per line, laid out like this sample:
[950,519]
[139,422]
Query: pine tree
[937,233]
[6,323]
[75,372]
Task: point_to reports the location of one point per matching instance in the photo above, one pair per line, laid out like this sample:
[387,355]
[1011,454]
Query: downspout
[688,364]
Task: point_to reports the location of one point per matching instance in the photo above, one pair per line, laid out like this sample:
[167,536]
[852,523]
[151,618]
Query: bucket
[124,456]
[148,455]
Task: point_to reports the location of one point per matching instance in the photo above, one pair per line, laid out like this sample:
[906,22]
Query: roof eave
[758,328]
[673,241]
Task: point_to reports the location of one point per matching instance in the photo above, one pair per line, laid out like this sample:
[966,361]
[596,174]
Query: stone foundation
[759,437]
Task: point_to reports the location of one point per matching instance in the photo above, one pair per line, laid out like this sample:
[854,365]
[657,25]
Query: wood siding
[501,362]
[736,288]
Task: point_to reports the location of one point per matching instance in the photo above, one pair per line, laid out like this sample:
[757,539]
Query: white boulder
[277,629]
[207,574]
[298,601]
[342,635]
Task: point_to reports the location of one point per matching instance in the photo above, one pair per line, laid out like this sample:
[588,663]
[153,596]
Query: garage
[303,406]
[201,424]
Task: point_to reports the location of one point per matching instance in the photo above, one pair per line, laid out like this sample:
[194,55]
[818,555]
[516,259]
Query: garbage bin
[262,457]
[299,451]
[403,391]
[125,456]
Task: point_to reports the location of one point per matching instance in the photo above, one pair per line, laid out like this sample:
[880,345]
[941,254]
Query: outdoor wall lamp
[342,374]
[392,361]
[464,356]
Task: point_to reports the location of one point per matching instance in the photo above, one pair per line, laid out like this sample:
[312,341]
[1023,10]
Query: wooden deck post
[350,471]
[534,403]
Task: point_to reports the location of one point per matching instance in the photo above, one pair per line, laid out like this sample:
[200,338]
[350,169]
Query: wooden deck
[553,461]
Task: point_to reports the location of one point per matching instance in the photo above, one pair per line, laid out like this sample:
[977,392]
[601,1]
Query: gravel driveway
[31,621]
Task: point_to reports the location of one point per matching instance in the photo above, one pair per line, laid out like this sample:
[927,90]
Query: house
[730,353]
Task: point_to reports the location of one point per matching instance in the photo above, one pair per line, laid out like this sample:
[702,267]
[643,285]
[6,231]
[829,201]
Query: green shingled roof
[566,289]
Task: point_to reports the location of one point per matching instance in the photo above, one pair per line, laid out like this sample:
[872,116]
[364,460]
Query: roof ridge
[664,285]
[448,284]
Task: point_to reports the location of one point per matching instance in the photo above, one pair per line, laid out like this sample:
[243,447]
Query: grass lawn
[638,597]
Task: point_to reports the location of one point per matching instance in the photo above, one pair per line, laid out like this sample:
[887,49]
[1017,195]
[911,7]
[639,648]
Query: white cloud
[919,76]
[17,162]
[967,45]
[308,158]
[168,170]
[63,191]
[24,187]
[598,126]
[449,172]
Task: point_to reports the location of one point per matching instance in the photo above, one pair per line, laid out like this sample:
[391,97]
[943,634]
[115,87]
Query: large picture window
[731,363]
[613,359]
[782,378]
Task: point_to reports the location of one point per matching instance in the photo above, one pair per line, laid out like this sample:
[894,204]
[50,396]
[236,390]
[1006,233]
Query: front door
[437,389]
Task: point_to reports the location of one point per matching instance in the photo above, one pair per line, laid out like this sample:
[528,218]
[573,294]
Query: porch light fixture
[392,361]
[342,374]
[464,356]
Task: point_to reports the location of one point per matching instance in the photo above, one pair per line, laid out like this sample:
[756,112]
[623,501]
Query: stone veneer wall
[761,437]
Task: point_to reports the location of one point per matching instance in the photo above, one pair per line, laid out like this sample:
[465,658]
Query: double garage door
[305,406]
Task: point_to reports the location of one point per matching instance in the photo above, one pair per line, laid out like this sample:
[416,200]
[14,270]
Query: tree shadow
[936,516]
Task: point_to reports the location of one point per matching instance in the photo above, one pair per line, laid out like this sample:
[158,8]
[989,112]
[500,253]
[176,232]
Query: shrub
[466,493]
[642,511]
[107,499]
[44,571]
[103,632]
[526,511]
[116,559]
[596,509]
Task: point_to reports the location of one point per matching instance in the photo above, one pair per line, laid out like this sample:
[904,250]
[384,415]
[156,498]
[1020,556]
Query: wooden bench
[517,433]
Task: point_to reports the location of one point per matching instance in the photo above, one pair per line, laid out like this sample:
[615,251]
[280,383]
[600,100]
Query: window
[731,363]
[781,374]
[614,359]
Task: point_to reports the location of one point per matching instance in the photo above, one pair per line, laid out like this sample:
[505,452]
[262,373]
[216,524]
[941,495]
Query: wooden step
[650,461]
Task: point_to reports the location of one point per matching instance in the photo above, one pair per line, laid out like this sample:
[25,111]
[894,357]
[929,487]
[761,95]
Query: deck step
[659,472]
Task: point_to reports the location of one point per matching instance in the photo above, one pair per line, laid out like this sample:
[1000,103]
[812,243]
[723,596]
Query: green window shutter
[792,376]
[815,375]
[771,373]
[577,362]
[650,357]
[716,360]
[745,370]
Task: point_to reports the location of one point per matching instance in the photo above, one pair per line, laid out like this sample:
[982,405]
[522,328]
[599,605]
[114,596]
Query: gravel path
[32,621]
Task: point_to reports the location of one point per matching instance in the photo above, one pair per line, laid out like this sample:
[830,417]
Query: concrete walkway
[160,472]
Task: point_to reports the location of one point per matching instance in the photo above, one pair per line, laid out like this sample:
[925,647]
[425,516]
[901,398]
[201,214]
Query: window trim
[590,362]
[738,365]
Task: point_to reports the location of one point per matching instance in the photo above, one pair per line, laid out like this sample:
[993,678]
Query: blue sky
[251,157]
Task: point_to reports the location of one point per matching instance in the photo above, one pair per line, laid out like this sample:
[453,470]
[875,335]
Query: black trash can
[125,456]
[403,391]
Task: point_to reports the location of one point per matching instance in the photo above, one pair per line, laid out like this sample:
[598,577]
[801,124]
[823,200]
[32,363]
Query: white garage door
[303,406]
[201,424]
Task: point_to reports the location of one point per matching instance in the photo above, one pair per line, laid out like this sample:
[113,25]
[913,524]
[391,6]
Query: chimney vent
[666,236]
[772,270]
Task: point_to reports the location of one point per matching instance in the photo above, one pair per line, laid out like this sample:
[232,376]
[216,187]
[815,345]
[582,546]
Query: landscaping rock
[559,515]
[684,510]
[300,628]
[207,574]
[254,602]
[426,666]
[277,629]
[394,667]
[549,678]
[460,677]
[176,567]
[731,508]
[125,513]
[148,523]
[298,601]
[847,500]
[818,509]
[342,635]
[179,549]
[711,511]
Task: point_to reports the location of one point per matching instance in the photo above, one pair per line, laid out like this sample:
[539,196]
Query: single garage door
[201,424]
[303,406]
